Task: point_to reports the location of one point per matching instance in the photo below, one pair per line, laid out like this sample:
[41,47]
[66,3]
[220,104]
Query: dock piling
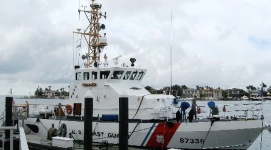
[8,118]
[123,123]
[88,114]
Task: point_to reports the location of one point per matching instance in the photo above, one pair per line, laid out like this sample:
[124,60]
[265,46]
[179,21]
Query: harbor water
[263,142]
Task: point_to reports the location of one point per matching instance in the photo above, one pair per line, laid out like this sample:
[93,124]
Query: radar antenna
[116,59]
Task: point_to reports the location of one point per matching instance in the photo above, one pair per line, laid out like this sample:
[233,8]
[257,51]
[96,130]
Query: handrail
[23,142]
[11,128]
[21,109]
[2,118]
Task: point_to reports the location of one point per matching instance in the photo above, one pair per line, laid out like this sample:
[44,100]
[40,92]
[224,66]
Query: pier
[14,137]
[41,143]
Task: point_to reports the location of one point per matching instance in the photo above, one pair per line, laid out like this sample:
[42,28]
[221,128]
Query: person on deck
[194,107]
[181,116]
[214,112]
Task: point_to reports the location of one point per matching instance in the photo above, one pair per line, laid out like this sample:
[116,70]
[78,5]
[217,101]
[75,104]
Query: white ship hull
[195,135]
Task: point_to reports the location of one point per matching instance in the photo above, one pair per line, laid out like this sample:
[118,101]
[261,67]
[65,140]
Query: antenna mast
[95,42]
[170,53]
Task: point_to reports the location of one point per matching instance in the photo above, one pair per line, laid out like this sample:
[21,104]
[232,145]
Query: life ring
[68,109]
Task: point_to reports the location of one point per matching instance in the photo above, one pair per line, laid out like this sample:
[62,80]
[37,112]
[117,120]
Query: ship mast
[95,41]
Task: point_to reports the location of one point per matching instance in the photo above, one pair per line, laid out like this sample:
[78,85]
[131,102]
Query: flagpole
[170,92]
[261,92]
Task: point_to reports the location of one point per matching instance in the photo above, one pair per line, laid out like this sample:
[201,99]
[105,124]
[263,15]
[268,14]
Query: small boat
[152,117]
[257,99]
[244,98]
[43,109]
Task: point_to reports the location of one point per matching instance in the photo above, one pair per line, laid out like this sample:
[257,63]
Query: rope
[207,133]
[43,126]
[139,106]
[96,126]
[133,130]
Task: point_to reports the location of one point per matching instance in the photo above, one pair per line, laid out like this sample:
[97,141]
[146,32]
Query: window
[104,74]
[78,76]
[94,75]
[86,75]
[140,75]
[117,74]
[133,75]
[126,76]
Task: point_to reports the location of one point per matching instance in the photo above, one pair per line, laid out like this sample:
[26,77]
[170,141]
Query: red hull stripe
[147,135]
[162,135]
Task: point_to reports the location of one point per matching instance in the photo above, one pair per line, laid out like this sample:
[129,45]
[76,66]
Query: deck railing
[2,130]
[22,142]
[2,118]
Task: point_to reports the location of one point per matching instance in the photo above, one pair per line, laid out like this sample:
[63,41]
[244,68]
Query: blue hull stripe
[147,135]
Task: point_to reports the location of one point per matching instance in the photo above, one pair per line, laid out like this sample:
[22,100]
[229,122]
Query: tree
[199,88]
[148,88]
[61,91]
[38,92]
[178,89]
[246,93]
[269,90]
[224,94]
[184,87]
[251,87]
[263,85]
[175,88]
[262,90]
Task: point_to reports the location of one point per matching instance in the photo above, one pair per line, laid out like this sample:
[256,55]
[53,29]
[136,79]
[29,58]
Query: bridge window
[140,75]
[86,75]
[117,74]
[78,76]
[133,75]
[94,75]
[104,74]
[126,76]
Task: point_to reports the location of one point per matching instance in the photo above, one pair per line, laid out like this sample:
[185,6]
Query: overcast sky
[217,43]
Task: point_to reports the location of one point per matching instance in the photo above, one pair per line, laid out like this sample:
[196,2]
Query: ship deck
[41,143]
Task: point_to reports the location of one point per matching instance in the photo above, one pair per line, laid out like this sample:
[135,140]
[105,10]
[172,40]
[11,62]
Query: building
[235,93]
[253,93]
[166,92]
[217,93]
[190,93]
[49,94]
[211,93]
